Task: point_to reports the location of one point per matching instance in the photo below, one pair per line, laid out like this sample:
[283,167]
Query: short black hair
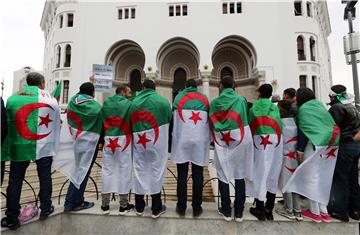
[87,88]
[121,88]
[338,89]
[149,84]
[285,107]
[304,95]
[291,92]
[265,90]
[227,81]
[34,79]
[191,83]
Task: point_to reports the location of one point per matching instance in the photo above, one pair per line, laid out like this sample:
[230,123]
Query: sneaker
[139,212]
[85,205]
[269,215]
[67,209]
[157,214]
[197,212]
[258,213]
[238,216]
[44,215]
[355,215]
[180,212]
[225,214]
[313,217]
[339,217]
[298,216]
[325,217]
[286,213]
[11,225]
[124,210]
[105,210]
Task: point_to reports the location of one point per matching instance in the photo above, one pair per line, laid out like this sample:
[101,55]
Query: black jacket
[347,118]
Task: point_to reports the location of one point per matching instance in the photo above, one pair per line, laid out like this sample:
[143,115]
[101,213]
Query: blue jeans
[345,190]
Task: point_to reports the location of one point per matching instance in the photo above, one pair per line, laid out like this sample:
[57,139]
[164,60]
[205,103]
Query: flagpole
[2,87]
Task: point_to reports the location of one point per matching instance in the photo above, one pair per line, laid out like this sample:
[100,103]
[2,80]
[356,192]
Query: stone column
[205,76]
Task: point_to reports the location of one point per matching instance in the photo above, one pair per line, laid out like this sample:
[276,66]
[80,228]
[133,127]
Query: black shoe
[85,205]
[44,215]
[238,216]
[157,214]
[225,214]
[269,215]
[105,210]
[258,213]
[197,212]
[355,215]
[124,210]
[67,209]
[11,225]
[339,217]
[180,212]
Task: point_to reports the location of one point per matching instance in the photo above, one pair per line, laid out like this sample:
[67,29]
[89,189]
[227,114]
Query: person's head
[227,82]
[265,91]
[285,108]
[149,84]
[190,83]
[304,95]
[123,90]
[87,88]
[35,79]
[289,94]
[335,91]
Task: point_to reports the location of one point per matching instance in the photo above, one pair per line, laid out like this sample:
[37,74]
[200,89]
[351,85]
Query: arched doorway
[226,71]
[179,81]
[135,80]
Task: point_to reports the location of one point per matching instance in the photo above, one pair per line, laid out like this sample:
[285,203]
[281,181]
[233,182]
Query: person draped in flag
[292,207]
[190,143]
[317,146]
[234,151]
[33,118]
[117,159]
[345,192]
[266,127]
[150,118]
[84,123]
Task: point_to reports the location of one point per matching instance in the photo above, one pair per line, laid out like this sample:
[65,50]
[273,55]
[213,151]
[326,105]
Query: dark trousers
[198,179]
[239,196]
[74,196]
[2,171]
[269,204]
[16,177]
[156,204]
[345,191]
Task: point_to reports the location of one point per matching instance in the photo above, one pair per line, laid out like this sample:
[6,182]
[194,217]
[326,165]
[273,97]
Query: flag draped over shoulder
[117,159]
[33,117]
[313,177]
[191,132]
[232,136]
[150,118]
[57,92]
[80,134]
[265,124]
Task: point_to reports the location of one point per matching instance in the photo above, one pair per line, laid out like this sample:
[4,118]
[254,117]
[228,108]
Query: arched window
[58,56]
[297,8]
[312,49]
[67,56]
[300,48]
[226,71]
[179,81]
[135,80]
[309,9]
[61,21]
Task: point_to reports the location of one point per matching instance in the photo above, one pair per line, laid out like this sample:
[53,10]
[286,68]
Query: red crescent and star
[113,144]
[147,117]
[195,116]
[192,96]
[266,121]
[122,124]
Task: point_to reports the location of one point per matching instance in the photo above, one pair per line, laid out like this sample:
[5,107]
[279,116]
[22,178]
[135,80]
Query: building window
[231,7]
[171,10]
[302,79]
[61,21]
[178,10]
[225,6]
[120,14]
[66,92]
[300,48]
[132,13]
[308,9]
[67,56]
[184,10]
[70,20]
[312,49]
[314,84]
[238,7]
[297,8]
[126,13]
[58,56]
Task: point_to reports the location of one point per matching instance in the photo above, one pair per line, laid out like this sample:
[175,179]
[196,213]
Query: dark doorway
[179,81]
[135,80]
[226,71]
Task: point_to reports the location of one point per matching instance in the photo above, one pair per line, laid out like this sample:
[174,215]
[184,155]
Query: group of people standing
[296,146]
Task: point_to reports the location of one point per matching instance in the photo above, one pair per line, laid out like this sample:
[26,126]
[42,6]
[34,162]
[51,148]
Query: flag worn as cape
[83,124]
[232,137]
[57,92]
[33,118]
[191,131]
[150,118]
[117,159]
[265,124]
[313,177]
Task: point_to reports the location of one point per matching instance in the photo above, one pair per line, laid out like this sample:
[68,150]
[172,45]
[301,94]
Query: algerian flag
[232,136]
[191,132]
[33,118]
[80,134]
[117,160]
[290,163]
[265,124]
[313,177]
[57,92]
[150,118]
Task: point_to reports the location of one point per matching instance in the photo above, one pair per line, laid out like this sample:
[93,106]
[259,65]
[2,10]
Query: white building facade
[19,79]
[282,43]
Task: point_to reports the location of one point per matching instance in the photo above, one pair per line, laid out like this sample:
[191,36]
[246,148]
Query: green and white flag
[150,118]
[191,131]
[33,118]
[265,124]
[232,136]
[313,177]
[117,159]
[80,134]
[57,92]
